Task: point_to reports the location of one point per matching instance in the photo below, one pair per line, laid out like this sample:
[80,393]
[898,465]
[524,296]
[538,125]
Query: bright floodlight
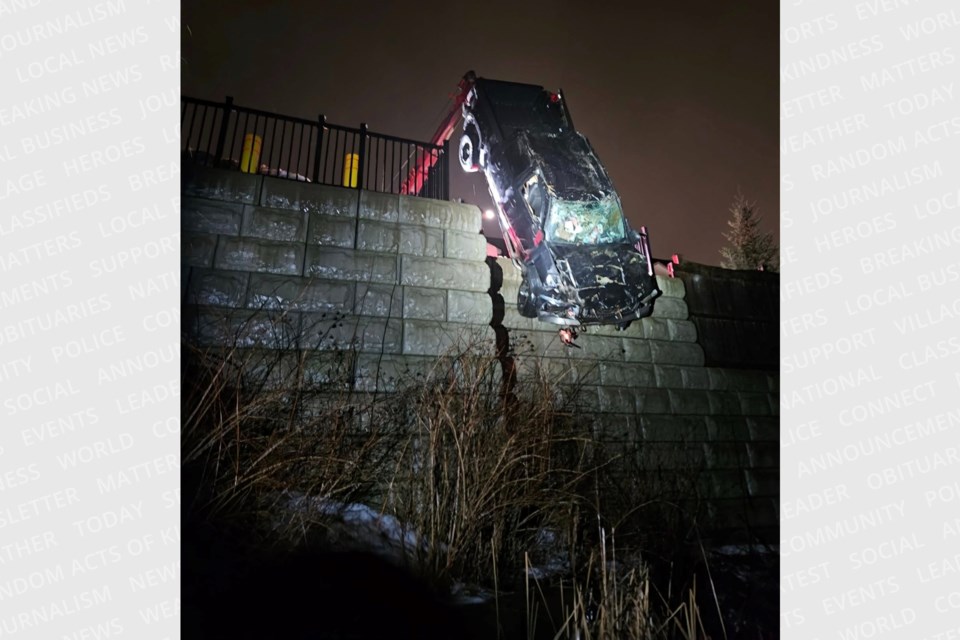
[488,214]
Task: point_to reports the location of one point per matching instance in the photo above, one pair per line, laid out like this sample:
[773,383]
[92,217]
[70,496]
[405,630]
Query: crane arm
[418,173]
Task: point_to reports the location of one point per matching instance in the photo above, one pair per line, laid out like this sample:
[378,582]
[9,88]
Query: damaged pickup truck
[558,211]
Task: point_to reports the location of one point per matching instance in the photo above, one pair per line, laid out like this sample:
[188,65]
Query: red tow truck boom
[418,174]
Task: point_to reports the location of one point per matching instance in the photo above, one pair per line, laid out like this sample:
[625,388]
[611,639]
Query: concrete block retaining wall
[272,263]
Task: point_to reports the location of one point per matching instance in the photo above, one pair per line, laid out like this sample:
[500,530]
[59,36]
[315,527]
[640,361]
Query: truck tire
[525,302]
[470,149]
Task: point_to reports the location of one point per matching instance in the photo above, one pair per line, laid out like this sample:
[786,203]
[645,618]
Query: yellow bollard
[250,158]
[350,163]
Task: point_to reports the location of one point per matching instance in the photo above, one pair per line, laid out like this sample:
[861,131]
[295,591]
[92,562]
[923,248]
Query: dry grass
[481,472]
[477,475]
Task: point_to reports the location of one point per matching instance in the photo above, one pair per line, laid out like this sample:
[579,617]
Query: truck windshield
[585,222]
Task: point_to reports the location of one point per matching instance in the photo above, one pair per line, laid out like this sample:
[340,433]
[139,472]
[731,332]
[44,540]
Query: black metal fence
[223,134]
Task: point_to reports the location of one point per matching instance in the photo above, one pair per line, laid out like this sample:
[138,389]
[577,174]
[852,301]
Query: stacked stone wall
[398,281]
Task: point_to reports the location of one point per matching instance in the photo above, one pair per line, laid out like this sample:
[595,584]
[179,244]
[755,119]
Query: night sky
[679,99]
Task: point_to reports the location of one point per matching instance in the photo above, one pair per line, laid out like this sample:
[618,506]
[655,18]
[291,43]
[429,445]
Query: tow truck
[559,215]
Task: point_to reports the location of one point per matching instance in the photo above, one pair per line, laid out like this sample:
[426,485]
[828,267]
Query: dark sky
[679,99]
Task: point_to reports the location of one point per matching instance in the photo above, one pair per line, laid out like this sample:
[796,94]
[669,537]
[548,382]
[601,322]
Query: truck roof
[515,107]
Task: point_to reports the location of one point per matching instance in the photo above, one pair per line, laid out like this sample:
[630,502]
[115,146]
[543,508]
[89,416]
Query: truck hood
[610,279]
[597,266]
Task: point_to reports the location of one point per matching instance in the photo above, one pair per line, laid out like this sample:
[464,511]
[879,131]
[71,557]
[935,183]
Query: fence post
[321,121]
[445,170]
[222,138]
[363,154]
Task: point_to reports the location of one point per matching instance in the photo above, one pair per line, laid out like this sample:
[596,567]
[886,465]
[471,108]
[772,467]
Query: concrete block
[763,429]
[357,333]
[695,378]
[468,370]
[387,237]
[219,184]
[675,456]
[378,236]
[380,206]
[585,398]
[670,308]
[634,331]
[210,216]
[763,482]
[689,402]
[439,214]
[461,245]
[421,241]
[764,513]
[217,288]
[686,353]
[509,291]
[381,300]
[510,272]
[331,231]
[595,347]
[469,306]
[261,368]
[514,321]
[668,377]
[755,404]
[584,372]
[442,273]
[553,371]
[328,370]
[390,373]
[743,380]
[635,350]
[718,378]
[617,399]
[773,383]
[615,428]
[667,428]
[727,429]
[725,403]
[652,401]
[763,455]
[722,484]
[539,343]
[301,294]
[244,254]
[428,304]
[197,250]
[344,264]
[725,455]
[626,374]
[671,287]
[246,329]
[281,225]
[434,338]
[681,330]
[308,197]
[655,329]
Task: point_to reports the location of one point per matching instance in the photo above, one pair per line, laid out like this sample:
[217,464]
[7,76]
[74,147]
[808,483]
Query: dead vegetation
[471,481]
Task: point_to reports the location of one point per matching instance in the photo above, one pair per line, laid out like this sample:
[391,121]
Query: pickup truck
[559,214]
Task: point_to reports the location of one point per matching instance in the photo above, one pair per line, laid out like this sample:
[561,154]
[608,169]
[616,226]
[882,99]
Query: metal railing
[223,134]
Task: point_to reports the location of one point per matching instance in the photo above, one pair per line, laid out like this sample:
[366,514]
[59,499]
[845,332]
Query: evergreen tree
[749,248]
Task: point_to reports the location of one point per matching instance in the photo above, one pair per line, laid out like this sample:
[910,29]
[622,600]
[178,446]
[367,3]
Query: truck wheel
[525,302]
[470,149]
